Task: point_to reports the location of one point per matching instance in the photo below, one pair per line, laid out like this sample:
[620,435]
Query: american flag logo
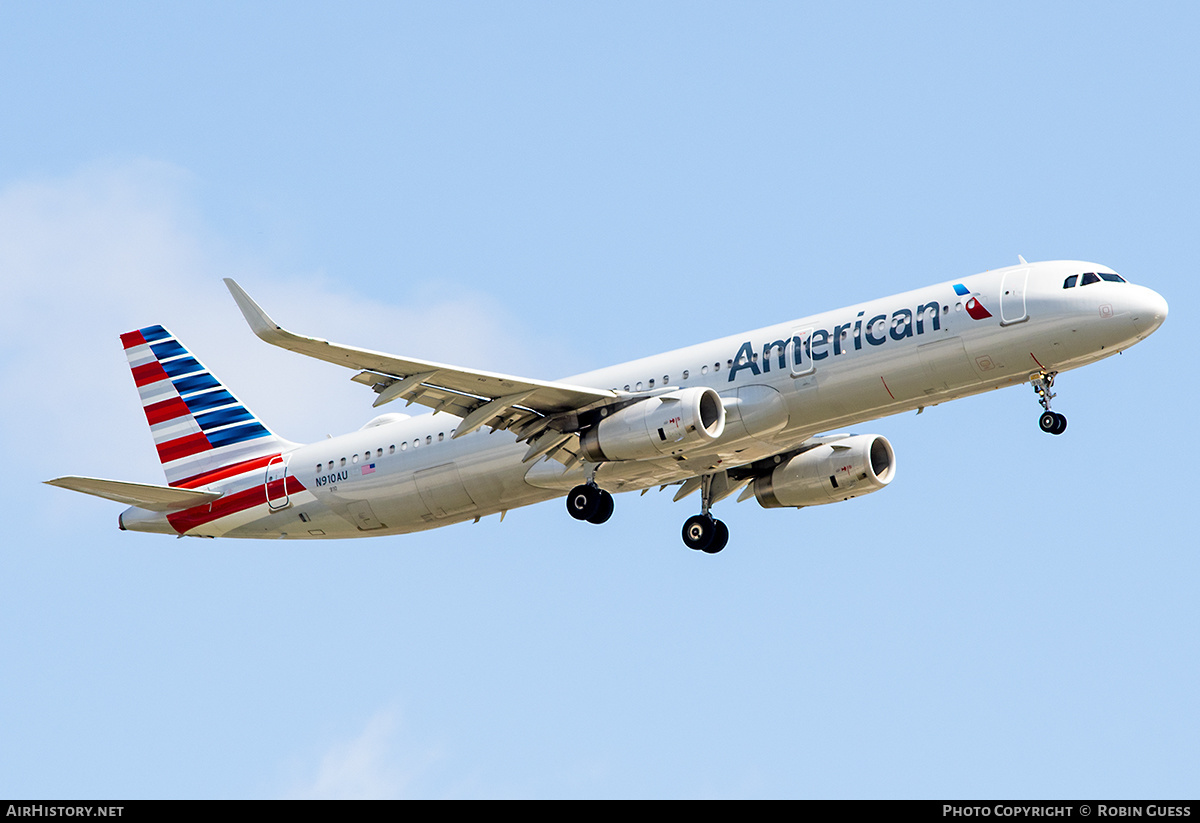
[369,468]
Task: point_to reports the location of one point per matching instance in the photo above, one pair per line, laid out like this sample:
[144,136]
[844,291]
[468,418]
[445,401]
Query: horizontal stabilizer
[142,495]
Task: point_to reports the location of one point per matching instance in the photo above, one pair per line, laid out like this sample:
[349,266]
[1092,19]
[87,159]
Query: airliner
[748,414]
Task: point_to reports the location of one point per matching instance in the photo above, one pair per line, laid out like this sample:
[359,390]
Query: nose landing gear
[1050,422]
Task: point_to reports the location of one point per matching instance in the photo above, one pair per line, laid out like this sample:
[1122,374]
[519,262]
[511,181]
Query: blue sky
[544,189]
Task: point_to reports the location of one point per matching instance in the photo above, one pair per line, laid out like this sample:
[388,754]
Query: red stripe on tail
[148,373]
[131,339]
[213,476]
[166,410]
[183,447]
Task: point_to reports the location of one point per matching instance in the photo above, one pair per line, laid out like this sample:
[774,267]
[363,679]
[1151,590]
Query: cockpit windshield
[1088,278]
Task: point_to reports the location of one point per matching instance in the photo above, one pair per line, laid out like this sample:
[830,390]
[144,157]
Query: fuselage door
[1012,297]
[277,494]
[800,353]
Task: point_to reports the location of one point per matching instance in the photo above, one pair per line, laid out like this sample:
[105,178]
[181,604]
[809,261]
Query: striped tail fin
[202,432]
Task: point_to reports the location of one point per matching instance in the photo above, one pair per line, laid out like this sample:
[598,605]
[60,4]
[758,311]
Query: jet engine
[661,426]
[833,471]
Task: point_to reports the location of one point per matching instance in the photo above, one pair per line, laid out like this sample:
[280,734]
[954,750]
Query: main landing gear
[703,531]
[706,533]
[591,503]
[1050,422]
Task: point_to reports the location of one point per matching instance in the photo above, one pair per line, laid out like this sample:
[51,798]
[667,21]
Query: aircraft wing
[142,495]
[480,398]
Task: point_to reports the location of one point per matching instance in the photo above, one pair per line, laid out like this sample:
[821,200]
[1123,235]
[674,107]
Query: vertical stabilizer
[202,432]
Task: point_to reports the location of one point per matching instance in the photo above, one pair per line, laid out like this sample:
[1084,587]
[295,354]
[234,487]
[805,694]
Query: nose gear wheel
[1050,422]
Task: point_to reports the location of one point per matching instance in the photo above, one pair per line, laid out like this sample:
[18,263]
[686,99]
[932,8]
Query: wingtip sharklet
[260,322]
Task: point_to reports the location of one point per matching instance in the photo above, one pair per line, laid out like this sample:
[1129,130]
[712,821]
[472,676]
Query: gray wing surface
[480,398]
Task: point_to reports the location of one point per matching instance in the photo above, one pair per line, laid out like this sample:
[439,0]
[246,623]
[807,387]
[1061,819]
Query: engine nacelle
[831,472]
[669,424]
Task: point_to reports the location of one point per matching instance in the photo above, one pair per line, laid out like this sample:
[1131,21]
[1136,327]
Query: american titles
[818,344]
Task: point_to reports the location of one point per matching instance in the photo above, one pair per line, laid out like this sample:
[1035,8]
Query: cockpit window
[1092,277]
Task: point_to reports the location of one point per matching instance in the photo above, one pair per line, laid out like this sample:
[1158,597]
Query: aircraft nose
[1147,310]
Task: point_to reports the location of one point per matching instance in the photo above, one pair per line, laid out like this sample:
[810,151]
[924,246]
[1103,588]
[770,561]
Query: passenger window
[391,449]
[651,382]
[1089,278]
[404,446]
[639,385]
[343,461]
[354,459]
[1070,282]
[666,380]
[685,374]
[441,437]
[429,440]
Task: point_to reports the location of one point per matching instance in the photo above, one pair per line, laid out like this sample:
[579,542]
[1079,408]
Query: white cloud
[370,766]
[117,247]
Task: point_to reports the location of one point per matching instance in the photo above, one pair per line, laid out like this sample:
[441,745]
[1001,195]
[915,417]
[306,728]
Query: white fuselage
[780,386]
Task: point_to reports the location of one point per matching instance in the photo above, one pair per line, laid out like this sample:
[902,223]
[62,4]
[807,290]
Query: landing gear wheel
[719,539]
[604,510]
[1052,422]
[703,533]
[583,503]
[1062,425]
[698,531]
